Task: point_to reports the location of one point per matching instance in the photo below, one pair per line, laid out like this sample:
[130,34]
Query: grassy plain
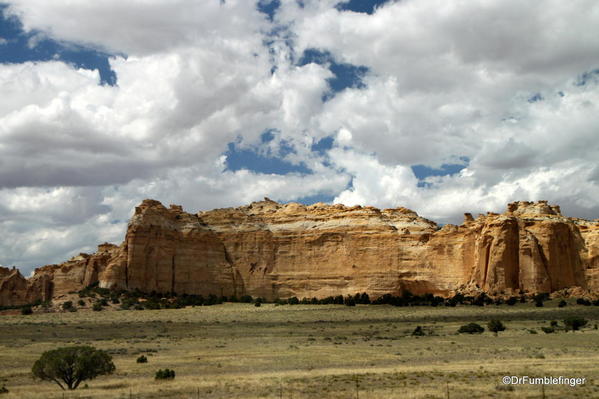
[309,351]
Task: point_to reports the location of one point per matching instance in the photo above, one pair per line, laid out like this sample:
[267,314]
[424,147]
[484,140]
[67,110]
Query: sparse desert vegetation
[238,350]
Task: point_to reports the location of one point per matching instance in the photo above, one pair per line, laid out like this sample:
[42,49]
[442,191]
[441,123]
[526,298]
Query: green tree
[72,365]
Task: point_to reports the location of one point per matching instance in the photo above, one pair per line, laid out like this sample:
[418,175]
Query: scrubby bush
[72,365]
[97,307]
[539,303]
[257,304]
[349,301]
[67,305]
[81,302]
[304,301]
[512,301]
[418,331]
[365,299]
[26,310]
[562,303]
[482,300]
[575,323]
[471,328]
[293,300]
[214,300]
[3,389]
[553,323]
[246,299]
[128,303]
[142,359]
[451,303]
[495,326]
[582,301]
[166,374]
[548,330]
[542,296]
[280,301]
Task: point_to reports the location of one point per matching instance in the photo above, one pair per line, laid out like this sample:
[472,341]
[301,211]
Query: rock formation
[275,250]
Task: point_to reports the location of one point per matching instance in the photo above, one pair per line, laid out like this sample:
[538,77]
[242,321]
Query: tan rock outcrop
[281,250]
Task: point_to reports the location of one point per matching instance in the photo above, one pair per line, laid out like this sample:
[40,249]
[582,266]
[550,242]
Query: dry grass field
[309,351]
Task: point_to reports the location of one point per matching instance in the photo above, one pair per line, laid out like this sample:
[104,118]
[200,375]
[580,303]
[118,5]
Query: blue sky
[440,107]
[20,46]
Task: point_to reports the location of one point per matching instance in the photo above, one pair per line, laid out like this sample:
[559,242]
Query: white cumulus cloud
[510,86]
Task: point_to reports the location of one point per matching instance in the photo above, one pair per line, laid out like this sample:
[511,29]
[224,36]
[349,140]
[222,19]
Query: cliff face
[273,250]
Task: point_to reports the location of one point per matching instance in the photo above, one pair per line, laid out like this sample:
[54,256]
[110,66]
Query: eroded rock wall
[282,250]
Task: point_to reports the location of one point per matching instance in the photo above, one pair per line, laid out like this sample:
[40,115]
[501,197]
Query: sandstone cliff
[282,250]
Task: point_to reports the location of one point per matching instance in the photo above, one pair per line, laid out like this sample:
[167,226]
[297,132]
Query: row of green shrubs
[570,324]
[139,300]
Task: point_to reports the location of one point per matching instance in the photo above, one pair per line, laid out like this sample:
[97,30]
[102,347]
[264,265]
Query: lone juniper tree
[72,365]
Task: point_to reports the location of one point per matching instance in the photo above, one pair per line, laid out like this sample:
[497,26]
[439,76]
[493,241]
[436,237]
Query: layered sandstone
[281,250]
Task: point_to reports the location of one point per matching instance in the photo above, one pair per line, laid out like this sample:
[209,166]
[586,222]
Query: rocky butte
[277,250]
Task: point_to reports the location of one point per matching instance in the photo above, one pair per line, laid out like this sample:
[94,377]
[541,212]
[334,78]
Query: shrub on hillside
[495,326]
[142,359]
[97,307]
[418,331]
[166,374]
[293,300]
[548,330]
[3,389]
[280,301]
[575,323]
[512,301]
[539,303]
[562,303]
[349,301]
[471,328]
[582,301]
[246,299]
[26,310]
